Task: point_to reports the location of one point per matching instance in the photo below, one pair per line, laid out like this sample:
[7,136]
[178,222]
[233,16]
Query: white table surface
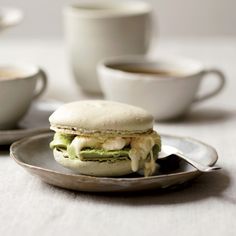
[207,207]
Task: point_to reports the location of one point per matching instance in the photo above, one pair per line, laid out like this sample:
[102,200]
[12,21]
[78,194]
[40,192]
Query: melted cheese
[79,143]
[150,165]
[108,144]
[141,147]
[117,143]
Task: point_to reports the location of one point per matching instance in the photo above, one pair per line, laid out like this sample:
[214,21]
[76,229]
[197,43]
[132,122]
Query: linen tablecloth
[206,207]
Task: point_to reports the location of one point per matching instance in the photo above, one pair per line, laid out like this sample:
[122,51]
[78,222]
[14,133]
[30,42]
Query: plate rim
[15,135]
[22,131]
[97,178]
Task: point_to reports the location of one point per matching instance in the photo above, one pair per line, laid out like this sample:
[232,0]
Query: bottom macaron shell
[94,168]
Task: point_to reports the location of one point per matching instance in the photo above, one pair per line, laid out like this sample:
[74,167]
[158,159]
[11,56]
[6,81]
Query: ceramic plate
[35,122]
[34,155]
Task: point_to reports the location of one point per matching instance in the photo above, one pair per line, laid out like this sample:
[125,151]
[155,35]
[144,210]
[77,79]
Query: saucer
[35,122]
[35,156]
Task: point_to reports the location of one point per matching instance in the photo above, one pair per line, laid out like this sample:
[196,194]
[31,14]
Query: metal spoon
[169,150]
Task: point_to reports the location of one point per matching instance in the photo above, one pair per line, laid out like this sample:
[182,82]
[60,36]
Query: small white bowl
[165,97]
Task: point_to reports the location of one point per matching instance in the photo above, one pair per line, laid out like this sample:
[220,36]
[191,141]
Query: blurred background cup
[18,87]
[166,86]
[95,30]
[9,17]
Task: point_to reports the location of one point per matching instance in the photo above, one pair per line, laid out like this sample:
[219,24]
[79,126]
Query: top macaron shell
[101,116]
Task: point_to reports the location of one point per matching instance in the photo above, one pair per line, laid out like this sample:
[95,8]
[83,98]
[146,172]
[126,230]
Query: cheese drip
[117,143]
[150,165]
[79,143]
[140,152]
[141,147]
[108,144]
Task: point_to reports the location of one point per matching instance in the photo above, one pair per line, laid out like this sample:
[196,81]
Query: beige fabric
[206,207]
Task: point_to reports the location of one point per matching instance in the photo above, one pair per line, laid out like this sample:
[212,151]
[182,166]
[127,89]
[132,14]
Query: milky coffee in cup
[165,86]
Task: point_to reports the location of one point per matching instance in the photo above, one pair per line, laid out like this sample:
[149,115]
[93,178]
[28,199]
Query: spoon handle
[197,165]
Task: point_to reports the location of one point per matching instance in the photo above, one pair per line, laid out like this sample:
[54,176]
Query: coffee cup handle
[43,77]
[221,77]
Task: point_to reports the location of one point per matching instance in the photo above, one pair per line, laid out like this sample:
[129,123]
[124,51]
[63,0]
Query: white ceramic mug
[95,30]
[166,96]
[17,90]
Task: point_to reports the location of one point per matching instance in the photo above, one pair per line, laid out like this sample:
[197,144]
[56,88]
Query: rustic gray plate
[34,155]
[35,122]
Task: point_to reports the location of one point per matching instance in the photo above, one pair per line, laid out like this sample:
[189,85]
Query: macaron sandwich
[104,138]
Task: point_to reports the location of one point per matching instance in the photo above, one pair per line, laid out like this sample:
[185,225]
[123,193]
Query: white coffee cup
[95,30]
[17,90]
[166,87]
[9,17]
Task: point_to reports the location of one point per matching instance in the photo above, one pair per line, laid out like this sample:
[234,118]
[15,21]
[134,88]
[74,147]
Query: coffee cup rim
[110,9]
[32,70]
[105,66]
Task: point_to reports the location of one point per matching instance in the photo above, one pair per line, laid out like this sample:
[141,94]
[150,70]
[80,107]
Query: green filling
[61,140]
[104,155]
[101,154]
